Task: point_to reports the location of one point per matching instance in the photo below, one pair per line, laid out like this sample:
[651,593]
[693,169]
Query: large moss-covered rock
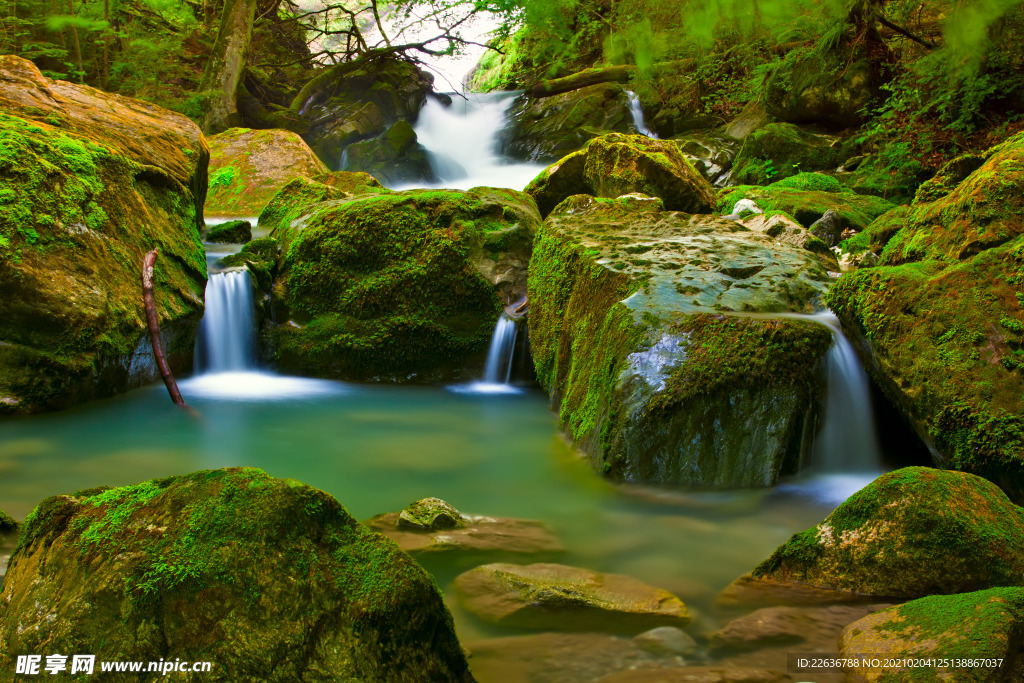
[248,167]
[396,285]
[358,100]
[829,88]
[913,532]
[940,320]
[270,579]
[547,128]
[230,232]
[7,523]
[394,157]
[631,337]
[615,164]
[559,597]
[781,150]
[985,625]
[806,198]
[260,258]
[90,182]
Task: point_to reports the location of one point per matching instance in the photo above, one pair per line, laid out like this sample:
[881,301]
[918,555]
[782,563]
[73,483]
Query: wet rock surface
[559,597]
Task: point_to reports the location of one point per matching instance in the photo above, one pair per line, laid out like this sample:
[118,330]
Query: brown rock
[555,596]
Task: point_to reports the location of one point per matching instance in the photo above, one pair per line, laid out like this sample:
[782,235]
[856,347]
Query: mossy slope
[396,285]
[942,318]
[648,375]
[269,579]
[248,167]
[90,182]
[913,532]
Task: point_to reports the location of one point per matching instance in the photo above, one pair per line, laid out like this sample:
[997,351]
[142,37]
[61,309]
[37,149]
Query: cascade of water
[462,140]
[227,333]
[499,358]
[638,115]
[848,441]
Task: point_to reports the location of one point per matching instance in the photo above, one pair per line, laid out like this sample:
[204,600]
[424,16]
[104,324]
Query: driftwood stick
[522,306]
[149,299]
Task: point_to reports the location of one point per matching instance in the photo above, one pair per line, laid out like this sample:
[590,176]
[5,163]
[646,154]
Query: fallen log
[608,74]
[149,300]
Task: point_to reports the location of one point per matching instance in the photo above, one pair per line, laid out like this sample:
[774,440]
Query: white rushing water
[463,143]
[498,370]
[225,362]
[846,456]
[638,115]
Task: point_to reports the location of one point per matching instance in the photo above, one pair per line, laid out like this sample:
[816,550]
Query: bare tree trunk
[149,300]
[223,75]
[78,47]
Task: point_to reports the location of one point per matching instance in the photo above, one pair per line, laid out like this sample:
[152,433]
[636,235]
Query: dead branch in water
[149,300]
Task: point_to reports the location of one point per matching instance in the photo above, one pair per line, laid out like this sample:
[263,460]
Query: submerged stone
[89,183]
[795,629]
[985,625]
[394,285]
[248,167]
[913,532]
[474,536]
[555,596]
[430,514]
[614,165]
[940,320]
[632,336]
[269,579]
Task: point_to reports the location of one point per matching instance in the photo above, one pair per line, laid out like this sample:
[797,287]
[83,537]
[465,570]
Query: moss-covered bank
[269,579]
[90,182]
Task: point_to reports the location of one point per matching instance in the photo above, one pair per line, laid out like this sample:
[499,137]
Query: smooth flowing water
[638,115]
[462,139]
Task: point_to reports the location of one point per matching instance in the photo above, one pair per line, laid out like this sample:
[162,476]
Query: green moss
[232,232]
[813,182]
[781,150]
[806,206]
[7,523]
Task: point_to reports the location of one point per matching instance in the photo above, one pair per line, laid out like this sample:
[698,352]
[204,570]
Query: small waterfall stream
[227,334]
[462,140]
[638,115]
[499,358]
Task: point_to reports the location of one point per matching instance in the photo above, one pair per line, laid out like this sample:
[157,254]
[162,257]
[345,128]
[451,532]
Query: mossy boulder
[230,232]
[270,579]
[394,158]
[430,514]
[939,319]
[830,88]
[248,167]
[614,165]
[396,285]
[260,258]
[547,128]
[806,198]
[984,625]
[913,532]
[356,101]
[632,338]
[563,598]
[89,183]
[7,523]
[780,150]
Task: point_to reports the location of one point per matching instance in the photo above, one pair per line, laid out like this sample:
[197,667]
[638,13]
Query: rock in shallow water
[269,579]
[913,532]
[430,514]
[632,338]
[985,625]
[559,597]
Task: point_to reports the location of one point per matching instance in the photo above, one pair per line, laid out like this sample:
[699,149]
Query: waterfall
[462,140]
[848,441]
[638,115]
[499,357]
[227,333]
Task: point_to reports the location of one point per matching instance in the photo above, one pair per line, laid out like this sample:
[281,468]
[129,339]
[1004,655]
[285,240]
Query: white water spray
[227,342]
[638,115]
[499,358]
[462,140]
